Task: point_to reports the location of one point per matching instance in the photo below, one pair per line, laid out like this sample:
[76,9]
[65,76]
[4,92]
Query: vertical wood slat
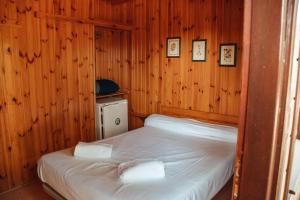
[5,164]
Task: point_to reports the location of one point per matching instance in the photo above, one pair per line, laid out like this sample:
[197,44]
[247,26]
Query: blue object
[105,86]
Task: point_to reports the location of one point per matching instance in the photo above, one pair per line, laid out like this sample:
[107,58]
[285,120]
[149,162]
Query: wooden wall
[113,56]
[116,11]
[46,84]
[179,86]
[47,70]
[145,60]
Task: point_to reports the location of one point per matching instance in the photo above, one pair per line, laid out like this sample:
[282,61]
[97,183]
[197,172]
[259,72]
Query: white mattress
[197,164]
[295,175]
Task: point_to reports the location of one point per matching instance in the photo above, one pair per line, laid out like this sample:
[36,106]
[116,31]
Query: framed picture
[173,47]
[227,55]
[199,50]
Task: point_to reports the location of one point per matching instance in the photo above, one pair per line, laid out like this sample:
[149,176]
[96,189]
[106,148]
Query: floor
[34,191]
[225,193]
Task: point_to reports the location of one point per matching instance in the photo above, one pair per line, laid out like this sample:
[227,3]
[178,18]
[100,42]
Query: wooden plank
[97,22]
[202,116]
[4,164]
[265,120]
[120,93]
[244,92]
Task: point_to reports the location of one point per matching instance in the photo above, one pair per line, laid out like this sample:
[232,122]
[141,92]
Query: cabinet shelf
[119,93]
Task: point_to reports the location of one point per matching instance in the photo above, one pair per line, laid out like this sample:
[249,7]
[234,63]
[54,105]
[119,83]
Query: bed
[198,157]
[294,190]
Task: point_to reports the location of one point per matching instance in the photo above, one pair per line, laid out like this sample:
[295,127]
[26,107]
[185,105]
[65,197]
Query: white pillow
[141,170]
[192,127]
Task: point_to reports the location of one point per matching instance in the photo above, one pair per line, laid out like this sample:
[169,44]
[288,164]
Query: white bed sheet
[295,175]
[196,168]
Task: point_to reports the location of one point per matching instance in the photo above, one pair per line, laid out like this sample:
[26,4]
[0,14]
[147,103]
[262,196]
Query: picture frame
[199,50]
[228,55]
[173,47]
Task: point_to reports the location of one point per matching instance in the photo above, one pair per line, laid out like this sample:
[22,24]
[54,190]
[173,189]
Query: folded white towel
[135,171]
[92,150]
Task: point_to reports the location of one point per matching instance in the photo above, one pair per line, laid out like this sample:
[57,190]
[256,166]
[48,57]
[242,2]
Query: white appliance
[111,117]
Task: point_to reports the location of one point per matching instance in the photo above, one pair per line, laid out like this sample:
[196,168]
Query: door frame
[257,162]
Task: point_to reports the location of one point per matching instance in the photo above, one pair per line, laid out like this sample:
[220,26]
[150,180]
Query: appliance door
[115,119]
[98,122]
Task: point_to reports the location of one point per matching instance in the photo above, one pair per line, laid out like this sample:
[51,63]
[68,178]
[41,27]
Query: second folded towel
[92,150]
[136,171]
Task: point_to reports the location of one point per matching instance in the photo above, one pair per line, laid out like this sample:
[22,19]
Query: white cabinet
[111,117]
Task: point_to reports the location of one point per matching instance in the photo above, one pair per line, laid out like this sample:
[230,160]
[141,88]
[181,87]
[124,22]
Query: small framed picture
[227,55]
[173,47]
[199,50]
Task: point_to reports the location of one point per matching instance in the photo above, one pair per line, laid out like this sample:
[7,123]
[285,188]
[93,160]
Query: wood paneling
[113,56]
[80,9]
[47,86]
[145,57]
[120,12]
[197,88]
[47,77]
[203,116]
[8,14]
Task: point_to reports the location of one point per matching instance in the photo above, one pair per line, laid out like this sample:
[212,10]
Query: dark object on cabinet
[105,86]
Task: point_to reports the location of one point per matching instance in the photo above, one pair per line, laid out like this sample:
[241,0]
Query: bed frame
[223,194]
[51,192]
